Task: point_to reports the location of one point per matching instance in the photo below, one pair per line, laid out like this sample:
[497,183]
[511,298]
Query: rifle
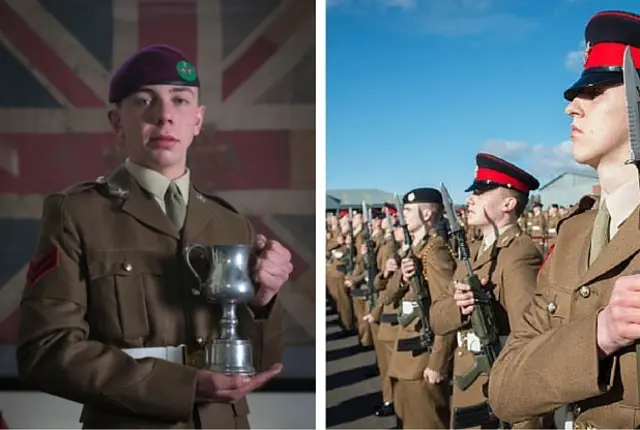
[370,257]
[419,289]
[350,258]
[394,244]
[484,324]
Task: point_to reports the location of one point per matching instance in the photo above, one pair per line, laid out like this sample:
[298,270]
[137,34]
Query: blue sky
[416,88]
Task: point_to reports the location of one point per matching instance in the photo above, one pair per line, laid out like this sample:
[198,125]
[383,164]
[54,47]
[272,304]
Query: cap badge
[186,71]
[587,50]
[411,197]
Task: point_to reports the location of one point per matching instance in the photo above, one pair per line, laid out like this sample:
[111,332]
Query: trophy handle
[187,257]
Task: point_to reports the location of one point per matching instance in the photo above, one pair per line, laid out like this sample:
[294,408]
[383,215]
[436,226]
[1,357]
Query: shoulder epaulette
[586,203]
[79,187]
[218,199]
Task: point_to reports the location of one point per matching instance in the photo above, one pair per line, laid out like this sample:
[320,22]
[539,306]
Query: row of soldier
[530,337]
[395,283]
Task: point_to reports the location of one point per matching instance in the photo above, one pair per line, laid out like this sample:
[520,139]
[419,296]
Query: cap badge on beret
[411,197]
[587,50]
[186,71]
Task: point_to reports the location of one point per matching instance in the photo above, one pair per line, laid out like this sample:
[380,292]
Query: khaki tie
[600,234]
[176,208]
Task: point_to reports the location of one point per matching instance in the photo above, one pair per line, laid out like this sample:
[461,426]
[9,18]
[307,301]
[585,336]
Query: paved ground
[353,384]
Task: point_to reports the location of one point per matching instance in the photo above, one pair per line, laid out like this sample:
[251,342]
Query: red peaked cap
[152,65]
[493,172]
[391,208]
[606,36]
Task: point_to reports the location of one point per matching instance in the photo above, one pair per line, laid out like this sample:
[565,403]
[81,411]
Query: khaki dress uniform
[359,302]
[384,333]
[107,316]
[335,284]
[554,349]
[419,403]
[510,266]
[552,229]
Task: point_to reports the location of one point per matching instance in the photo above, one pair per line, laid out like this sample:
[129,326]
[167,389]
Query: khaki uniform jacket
[438,269]
[108,274]
[512,275]
[510,266]
[385,303]
[554,347]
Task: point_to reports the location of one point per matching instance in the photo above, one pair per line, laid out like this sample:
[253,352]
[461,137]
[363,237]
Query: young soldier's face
[158,124]
[488,206]
[600,130]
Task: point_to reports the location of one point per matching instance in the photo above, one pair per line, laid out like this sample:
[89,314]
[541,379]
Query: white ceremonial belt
[552,230]
[174,354]
[408,305]
[535,227]
[469,340]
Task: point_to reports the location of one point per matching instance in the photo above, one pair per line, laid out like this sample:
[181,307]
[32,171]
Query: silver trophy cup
[229,284]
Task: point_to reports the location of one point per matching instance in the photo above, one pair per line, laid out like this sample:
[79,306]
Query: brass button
[127,266]
[584,291]
[577,410]
[200,340]
[552,307]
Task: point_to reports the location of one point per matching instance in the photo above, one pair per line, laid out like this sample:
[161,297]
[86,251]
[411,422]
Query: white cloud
[574,60]
[507,149]
[543,161]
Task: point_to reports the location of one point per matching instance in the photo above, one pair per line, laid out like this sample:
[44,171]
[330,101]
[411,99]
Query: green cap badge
[186,71]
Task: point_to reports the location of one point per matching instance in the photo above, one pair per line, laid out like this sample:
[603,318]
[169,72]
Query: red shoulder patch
[43,265]
[546,257]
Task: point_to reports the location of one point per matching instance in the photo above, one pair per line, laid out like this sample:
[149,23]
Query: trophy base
[230,357]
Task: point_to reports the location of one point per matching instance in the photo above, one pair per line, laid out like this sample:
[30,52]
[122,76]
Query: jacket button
[552,307]
[127,266]
[584,291]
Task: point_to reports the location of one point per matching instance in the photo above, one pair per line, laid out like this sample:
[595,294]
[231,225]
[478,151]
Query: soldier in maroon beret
[108,318]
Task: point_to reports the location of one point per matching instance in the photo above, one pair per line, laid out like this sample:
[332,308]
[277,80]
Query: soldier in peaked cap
[506,260]
[574,346]
[420,387]
[107,317]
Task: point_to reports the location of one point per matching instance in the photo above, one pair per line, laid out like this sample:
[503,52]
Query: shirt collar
[155,183]
[491,237]
[621,203]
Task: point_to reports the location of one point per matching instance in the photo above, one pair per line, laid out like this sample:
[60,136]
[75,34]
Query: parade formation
[483,314]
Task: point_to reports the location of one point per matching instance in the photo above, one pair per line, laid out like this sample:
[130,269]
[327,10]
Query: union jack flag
[256,61]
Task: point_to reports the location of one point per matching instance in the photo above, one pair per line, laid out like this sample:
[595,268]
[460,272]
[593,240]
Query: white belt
[552,230]
[535,227]
[407,306]
[567,413]
[471,341]
[174,354]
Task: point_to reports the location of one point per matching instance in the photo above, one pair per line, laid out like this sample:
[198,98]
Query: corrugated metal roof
[355,197]
[585,174]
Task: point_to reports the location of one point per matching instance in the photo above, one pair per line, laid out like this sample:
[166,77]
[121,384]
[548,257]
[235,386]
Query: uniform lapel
[624,245]
[201,215]
[138,203]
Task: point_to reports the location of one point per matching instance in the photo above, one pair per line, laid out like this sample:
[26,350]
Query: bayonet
[632,93]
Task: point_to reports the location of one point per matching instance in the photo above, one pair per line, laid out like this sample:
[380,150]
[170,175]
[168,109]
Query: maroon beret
[152,65]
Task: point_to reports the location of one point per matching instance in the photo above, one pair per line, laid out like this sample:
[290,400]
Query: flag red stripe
[173,23]
[245,66]
[52,162]
[222,161]
[242,160]
[36,50]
